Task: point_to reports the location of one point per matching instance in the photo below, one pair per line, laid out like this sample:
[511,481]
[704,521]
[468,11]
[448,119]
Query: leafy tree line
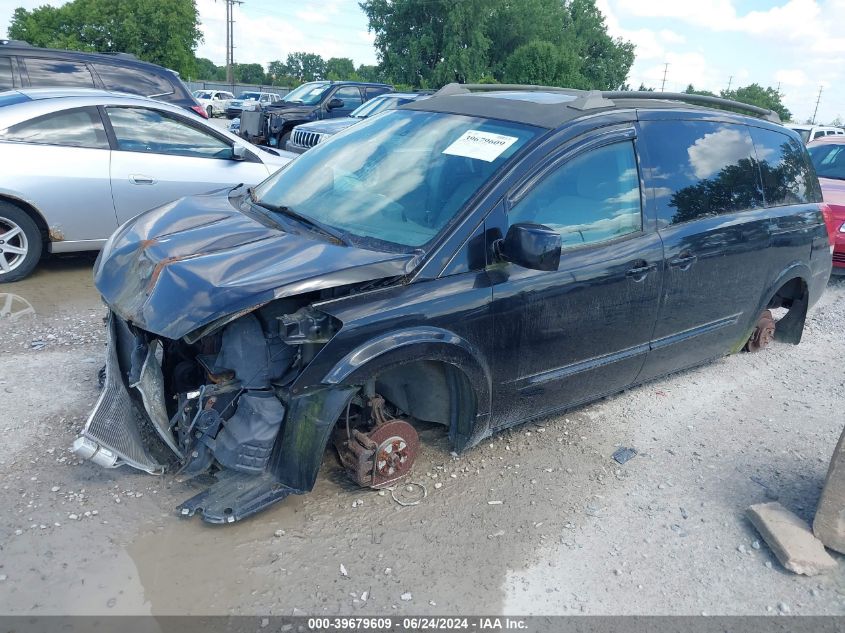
[753,94]
[298,68]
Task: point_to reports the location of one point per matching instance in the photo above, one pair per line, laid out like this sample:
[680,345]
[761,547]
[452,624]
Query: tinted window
[133,80]
[351,96]
[829,160]
[784,164]
[374,92]
[804,134]
[594,197]
[697,169]
[75,128]
[142,130]
[818,135]
[6,73]
[57,72]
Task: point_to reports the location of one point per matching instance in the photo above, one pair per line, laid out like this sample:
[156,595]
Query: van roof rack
[4,42]
[592,99]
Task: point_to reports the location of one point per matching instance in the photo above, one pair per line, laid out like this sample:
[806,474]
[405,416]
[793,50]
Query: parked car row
[272,124]
[810,133]
[307,135]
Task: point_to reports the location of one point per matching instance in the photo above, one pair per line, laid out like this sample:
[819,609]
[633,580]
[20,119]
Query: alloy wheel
[13,245]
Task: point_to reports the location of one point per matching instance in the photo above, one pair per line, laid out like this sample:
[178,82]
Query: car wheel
[20,243]
[210,112]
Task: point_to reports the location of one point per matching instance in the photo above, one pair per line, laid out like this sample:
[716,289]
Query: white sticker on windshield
[481,145]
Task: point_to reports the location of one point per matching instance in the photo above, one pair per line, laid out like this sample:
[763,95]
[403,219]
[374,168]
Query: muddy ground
[574,532]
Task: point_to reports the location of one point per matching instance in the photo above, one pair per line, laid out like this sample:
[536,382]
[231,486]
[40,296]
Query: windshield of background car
[250,95]
[829,160]
[376,105]
[395,180]
[307,94]
[202,94]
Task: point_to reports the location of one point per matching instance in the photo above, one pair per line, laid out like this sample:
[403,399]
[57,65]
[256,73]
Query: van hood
[188,263]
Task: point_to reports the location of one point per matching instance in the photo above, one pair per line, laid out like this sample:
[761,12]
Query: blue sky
[794,43]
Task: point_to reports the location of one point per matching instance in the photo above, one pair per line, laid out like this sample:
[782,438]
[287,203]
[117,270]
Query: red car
[828,156]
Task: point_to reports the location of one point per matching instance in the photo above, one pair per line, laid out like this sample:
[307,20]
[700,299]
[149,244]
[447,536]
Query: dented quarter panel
[210,259]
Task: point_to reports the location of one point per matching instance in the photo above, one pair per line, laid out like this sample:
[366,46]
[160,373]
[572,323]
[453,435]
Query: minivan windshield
[829,160]
[307,94]
[394,181]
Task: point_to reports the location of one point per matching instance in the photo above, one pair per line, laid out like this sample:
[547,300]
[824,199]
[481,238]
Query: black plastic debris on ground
[623,454]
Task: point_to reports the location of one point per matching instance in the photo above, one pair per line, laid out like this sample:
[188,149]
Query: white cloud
[713,151]
[791,77]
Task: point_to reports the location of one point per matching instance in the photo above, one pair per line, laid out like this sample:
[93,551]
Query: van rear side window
[57,72]
[699,169]
[785,167]
[133,80]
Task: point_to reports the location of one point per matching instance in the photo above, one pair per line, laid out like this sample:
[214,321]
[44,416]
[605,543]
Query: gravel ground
[539,519]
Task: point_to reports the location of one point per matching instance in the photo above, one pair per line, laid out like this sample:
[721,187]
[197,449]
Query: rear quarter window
[699,169]
[788,177]
[133,80]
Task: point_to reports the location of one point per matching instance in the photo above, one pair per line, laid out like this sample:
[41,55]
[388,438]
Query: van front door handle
[141,179]
[639,273]
[684,261]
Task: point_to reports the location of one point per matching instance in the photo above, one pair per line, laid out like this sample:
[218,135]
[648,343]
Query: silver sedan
[79,163]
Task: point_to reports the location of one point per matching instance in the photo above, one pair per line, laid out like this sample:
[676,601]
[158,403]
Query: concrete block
[829,524]
[791,539]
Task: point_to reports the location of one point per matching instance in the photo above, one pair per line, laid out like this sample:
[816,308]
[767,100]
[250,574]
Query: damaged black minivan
[474,260]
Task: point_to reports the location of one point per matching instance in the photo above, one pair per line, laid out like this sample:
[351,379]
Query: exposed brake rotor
[764,332]
[397,445]
[382,455]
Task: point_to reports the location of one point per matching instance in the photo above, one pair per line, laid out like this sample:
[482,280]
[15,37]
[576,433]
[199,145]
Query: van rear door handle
[141,179]
[683,261]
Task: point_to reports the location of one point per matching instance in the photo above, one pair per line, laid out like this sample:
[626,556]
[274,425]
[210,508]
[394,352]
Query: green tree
[541,62]
[755,94]
[164,32]
[692,91]
[305,66]
[438,41]
[207,69]
[340,68]
[249,73]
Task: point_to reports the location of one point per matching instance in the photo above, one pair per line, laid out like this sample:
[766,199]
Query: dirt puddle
[187,567]
[59,285]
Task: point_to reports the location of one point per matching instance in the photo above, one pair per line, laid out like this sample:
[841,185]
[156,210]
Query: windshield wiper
[314,225]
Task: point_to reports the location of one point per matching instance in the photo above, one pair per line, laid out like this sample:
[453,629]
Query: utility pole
[730,81]
[665,70]
[816,111]
[230,39]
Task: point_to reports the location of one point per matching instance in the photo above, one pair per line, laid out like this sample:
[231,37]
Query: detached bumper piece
[235,496]
[117,431]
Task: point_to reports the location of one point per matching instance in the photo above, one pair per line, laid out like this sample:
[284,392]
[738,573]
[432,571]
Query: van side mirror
[533,246]
[238,152]
[335,103]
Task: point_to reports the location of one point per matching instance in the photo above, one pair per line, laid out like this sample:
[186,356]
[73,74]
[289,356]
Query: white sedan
[78,163]
[214,101]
